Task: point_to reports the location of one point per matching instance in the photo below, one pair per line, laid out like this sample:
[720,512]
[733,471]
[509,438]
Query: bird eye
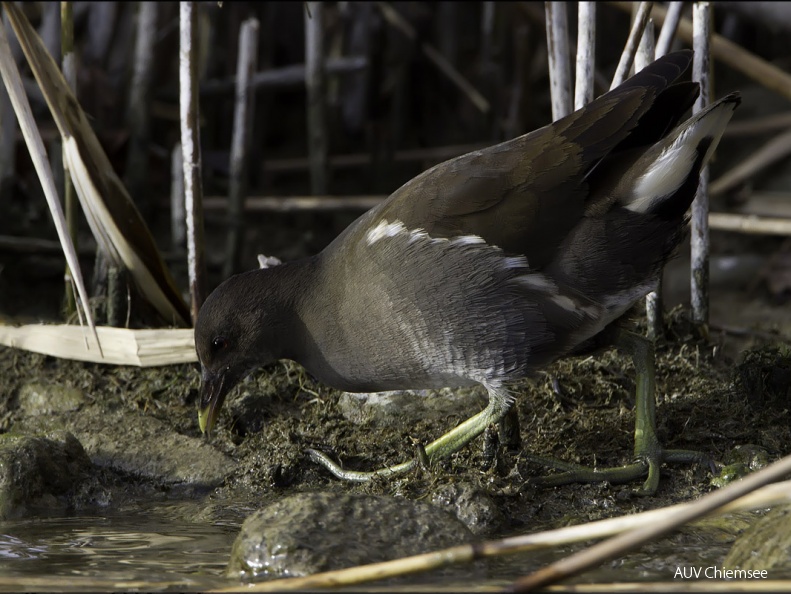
[219,343]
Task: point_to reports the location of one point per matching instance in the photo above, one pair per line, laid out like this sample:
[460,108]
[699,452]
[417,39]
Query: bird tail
[665,177]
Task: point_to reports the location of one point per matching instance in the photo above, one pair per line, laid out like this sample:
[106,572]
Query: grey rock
[311,532]
[739,462]
[471,505]
[754,457]
[145,446]
[36,470]
[36,398]
[765,545]
[139,445]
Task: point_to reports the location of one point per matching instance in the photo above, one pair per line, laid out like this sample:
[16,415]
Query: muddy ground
[579,410]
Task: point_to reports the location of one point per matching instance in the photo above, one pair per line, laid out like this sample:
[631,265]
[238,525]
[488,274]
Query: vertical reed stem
[178,230]
[630,49]
[669,28]
[243,117]
[137,170]
[315,80]
[653,301]
[190,143]
[558,53]
[586,54]
[69,197]
[699,272]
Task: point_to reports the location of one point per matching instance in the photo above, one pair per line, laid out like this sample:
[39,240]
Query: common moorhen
[488,266]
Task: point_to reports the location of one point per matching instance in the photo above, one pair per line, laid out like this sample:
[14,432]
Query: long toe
[647,465]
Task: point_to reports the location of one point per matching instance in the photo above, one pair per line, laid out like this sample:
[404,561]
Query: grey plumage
[484,267]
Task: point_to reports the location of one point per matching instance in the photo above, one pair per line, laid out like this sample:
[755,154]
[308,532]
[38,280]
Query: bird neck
[280,292]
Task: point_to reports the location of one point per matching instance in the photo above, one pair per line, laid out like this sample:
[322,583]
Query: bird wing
[525,195]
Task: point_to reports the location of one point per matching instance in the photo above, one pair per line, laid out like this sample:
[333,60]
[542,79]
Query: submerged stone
[766,545]
[312,532]
[739,462]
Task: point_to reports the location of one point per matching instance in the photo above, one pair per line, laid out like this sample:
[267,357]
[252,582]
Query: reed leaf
[116,223]
[13,82]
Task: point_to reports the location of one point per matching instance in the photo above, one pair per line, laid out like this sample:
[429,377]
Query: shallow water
[151,547]
[186,546]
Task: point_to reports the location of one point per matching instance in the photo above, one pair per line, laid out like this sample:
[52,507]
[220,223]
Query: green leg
[508,430]
[648,453]
[499,404]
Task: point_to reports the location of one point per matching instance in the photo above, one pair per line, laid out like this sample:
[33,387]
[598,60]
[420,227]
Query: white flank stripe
[467,240]
[539,282]
[384,229]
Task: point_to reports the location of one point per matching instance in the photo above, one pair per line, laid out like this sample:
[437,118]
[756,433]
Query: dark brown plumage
[485,267]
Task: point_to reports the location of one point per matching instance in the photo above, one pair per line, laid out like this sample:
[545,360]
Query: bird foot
[358,476]
[505,434]
[644,464]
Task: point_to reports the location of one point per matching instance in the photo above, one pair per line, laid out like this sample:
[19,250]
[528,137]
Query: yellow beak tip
[203,420]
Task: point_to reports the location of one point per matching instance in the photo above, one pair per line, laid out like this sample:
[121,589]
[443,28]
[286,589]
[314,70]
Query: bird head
[233,336]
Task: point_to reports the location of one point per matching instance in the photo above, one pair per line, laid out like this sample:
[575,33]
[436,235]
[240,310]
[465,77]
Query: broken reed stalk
[315,81]
[751,224]
[764,73]
[138,110]
[776,149]
[298,203]
[286,76]
[668,32]
[113,218]
[69,68]
[699,266]
[744,223]
[122,346]
[8,134]
[190,143]
[13,84]
[675,517]
[37,246]
[445,67]
[586,54]
[243,116]
[558,57]
[755,498]
[629,50]
[645,49]
[653,301]
[430,155]
[759,125]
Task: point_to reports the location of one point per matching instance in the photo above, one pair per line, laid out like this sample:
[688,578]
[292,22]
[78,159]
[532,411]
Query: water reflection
[186,546]
[172,544]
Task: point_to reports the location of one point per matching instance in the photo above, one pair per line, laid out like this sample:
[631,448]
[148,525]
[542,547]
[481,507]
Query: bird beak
[213,390]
